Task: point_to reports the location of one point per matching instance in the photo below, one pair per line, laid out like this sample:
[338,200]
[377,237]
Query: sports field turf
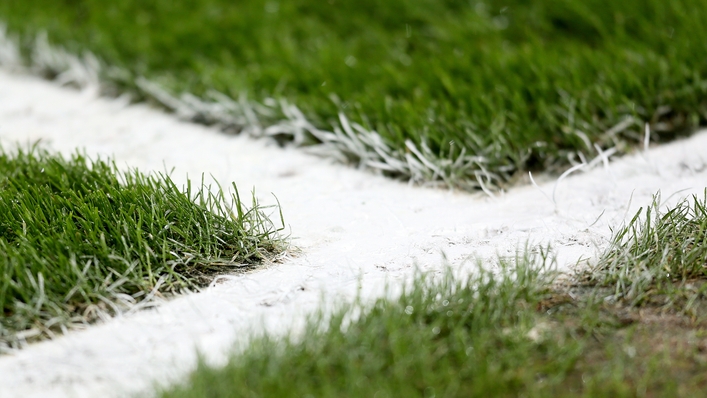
[80,240]
[513,85]
[484,90]
[632,328]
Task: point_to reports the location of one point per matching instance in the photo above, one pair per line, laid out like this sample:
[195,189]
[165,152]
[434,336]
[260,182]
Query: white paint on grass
[354,229]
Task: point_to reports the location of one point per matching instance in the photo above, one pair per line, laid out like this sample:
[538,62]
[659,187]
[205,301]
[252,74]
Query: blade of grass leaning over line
[81,240]
[450,91]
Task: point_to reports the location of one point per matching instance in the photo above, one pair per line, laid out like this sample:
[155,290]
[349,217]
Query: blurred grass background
[523,83]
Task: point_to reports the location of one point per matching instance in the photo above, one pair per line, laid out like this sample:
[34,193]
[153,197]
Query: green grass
[80,239]
[659,258]
[441,338]
[513,85]
[634,326]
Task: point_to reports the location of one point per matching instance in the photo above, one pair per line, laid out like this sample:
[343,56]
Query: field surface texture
[425,292]
[355,232]
[464,92]
[512,331]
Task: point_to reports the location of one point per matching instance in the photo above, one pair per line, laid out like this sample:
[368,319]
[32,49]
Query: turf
[80,239]
[635,326]
[440,338]
[514,85]
[659,258]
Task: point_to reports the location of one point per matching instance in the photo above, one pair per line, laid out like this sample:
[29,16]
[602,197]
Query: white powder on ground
[353,228]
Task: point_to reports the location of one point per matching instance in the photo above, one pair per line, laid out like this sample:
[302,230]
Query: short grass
[518,84]
[660,259]
[635,327]
[80,239]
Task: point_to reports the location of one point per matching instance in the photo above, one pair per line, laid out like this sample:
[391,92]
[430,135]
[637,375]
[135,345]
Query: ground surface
[514,85]
[351,229]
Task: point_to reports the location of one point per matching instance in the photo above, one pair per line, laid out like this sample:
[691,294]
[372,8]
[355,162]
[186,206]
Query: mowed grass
[80,240]
[514,84]
[519,331]
[660,258]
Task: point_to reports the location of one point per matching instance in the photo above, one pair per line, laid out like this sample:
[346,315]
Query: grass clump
[660,258]
[511,85]
[80,239]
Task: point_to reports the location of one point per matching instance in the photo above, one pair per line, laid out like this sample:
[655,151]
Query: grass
[464,90]
[634,326]
[659,258]
[470,90]
[440,338]
[80,240]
